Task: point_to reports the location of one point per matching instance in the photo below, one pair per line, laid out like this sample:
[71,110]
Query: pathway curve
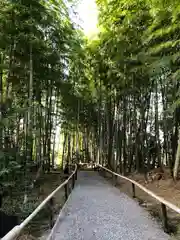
[98,211]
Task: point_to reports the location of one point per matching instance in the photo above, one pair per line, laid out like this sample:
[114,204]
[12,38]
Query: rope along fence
[164,203]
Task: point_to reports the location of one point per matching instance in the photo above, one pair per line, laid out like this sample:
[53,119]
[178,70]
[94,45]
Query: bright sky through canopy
[88,14]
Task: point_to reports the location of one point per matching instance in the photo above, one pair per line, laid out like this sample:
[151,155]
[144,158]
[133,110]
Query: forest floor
[39,228]
[167,189]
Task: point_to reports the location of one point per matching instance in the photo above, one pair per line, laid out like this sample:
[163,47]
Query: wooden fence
[15,232]
[163,202]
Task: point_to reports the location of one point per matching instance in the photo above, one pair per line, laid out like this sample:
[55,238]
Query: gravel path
[98,211]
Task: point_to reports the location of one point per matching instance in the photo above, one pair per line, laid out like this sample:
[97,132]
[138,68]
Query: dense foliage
[37,42]
[126,87]
[116,98]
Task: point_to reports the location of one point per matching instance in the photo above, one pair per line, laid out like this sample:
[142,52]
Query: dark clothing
[7,223]
[66,170]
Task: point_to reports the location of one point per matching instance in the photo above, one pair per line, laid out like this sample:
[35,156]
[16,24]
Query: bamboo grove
[37,43]
[125,101]
[114,99]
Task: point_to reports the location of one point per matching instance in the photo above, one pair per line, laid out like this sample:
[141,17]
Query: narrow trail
[98,211]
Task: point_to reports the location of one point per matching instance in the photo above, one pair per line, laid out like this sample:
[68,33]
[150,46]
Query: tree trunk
[157,127]
[124,135]
[64,150]
[176,164]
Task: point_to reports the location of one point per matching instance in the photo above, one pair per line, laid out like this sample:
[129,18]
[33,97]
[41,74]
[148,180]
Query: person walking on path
[66,171]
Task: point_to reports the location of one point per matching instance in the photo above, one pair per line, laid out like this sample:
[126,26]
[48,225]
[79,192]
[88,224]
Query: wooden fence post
[114,180]
[66,191]
[164,215]
[73,181]
[51,205]
[76,175]
[69,187]
[133,190]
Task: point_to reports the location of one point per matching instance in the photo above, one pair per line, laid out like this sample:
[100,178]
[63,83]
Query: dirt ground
[165,188]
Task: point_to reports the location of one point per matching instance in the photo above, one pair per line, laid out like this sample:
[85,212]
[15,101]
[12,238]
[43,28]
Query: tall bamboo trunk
[55,126]
[157,126]
[64,150]
[124,135]
[111,127]
[168,158]
[77,131]
[29,144]
[30,104]
[130,142]
[1,101]
[49,127]
[69,150]
[177,160]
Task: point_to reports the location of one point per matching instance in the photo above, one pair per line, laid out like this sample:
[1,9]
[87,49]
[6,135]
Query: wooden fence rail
[163,202]
[15,232]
